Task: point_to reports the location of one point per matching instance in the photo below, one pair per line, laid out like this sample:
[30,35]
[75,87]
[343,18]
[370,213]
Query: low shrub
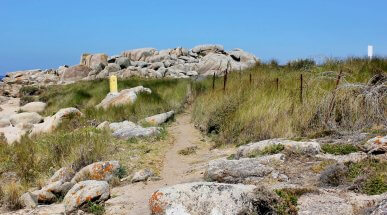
[11,197]
[268,150]
[339,149]
[94,208]
[368,176]
[188,151]
[334,175]
[289,198]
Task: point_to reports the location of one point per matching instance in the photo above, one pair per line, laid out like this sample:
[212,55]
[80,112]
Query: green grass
[167,94]
[268,150]
[289,199]
[369,176]
[96,209]
[339,149]
[251,112]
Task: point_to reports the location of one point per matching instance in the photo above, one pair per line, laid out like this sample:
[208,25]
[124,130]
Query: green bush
[339,149]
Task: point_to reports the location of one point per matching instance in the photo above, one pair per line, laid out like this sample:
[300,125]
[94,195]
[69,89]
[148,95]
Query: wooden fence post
[225,76]
[301,88]
[277,83]
[250,78]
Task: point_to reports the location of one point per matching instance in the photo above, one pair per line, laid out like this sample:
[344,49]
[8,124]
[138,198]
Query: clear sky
[49,33]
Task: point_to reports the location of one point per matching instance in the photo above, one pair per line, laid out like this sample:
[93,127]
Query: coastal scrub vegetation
[267,102]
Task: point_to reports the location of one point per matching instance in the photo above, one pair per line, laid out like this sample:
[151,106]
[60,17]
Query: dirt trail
[133,198]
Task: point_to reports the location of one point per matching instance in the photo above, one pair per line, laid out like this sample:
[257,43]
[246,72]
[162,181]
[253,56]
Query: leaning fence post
[225,76]
[213,82]
[277,83]
[301,88]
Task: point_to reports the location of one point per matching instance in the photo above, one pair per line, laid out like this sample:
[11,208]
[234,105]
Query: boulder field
[178,62]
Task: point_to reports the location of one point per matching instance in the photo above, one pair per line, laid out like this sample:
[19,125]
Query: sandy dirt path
[133,199]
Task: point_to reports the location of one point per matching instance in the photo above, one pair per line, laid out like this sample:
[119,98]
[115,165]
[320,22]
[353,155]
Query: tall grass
[167,94]
[254,111]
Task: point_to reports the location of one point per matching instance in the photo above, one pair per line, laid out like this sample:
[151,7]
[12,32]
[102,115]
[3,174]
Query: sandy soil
[133,199]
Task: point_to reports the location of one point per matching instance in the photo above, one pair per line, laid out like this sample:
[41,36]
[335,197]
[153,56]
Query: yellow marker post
[113,84]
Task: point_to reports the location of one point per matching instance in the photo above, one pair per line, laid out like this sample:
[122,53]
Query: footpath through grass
[78,143]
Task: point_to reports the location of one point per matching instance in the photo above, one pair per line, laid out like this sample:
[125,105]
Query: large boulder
[93,60]
[381,208]
[13,134]
[123,62]
[126,96]
[207,198]
[34,107]
[126,130]
[101,171]
[213,63]
[159,118]
[52,122]
[139,54]
[84,192]
[310,147]
[26,117]
[75,73]
[236,171]
[63,174]
[205,49]
[244,57]
[377,145]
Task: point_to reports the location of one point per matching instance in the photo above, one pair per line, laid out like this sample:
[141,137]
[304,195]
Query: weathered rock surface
[63,174]
[25,118]
[101,171]
[92,60]
[127,130]
[139,54]
[52,122]
[159,118]
[126,96]
[34,107]
[236,171]
[203,198]
[85,191]
[29,200]
[377,145]
[75,73]
[142,175]
[381,209]
[145,62]
[303,147]
[352,157]
[53,209]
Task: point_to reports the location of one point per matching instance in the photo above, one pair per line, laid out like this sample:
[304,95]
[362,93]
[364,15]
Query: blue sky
[49,33]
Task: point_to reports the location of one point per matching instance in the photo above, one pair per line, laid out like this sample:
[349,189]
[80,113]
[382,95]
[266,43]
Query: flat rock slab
[126,130]
[34,107]
[310,147]
[203,198]
[236,171]
[127,96]
[159,118]
[102,171]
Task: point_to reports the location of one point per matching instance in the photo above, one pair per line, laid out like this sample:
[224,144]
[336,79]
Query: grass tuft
[268,150]
[339,149]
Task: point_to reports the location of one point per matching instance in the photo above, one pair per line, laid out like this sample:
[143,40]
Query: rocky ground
[333,174]
[179,62]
